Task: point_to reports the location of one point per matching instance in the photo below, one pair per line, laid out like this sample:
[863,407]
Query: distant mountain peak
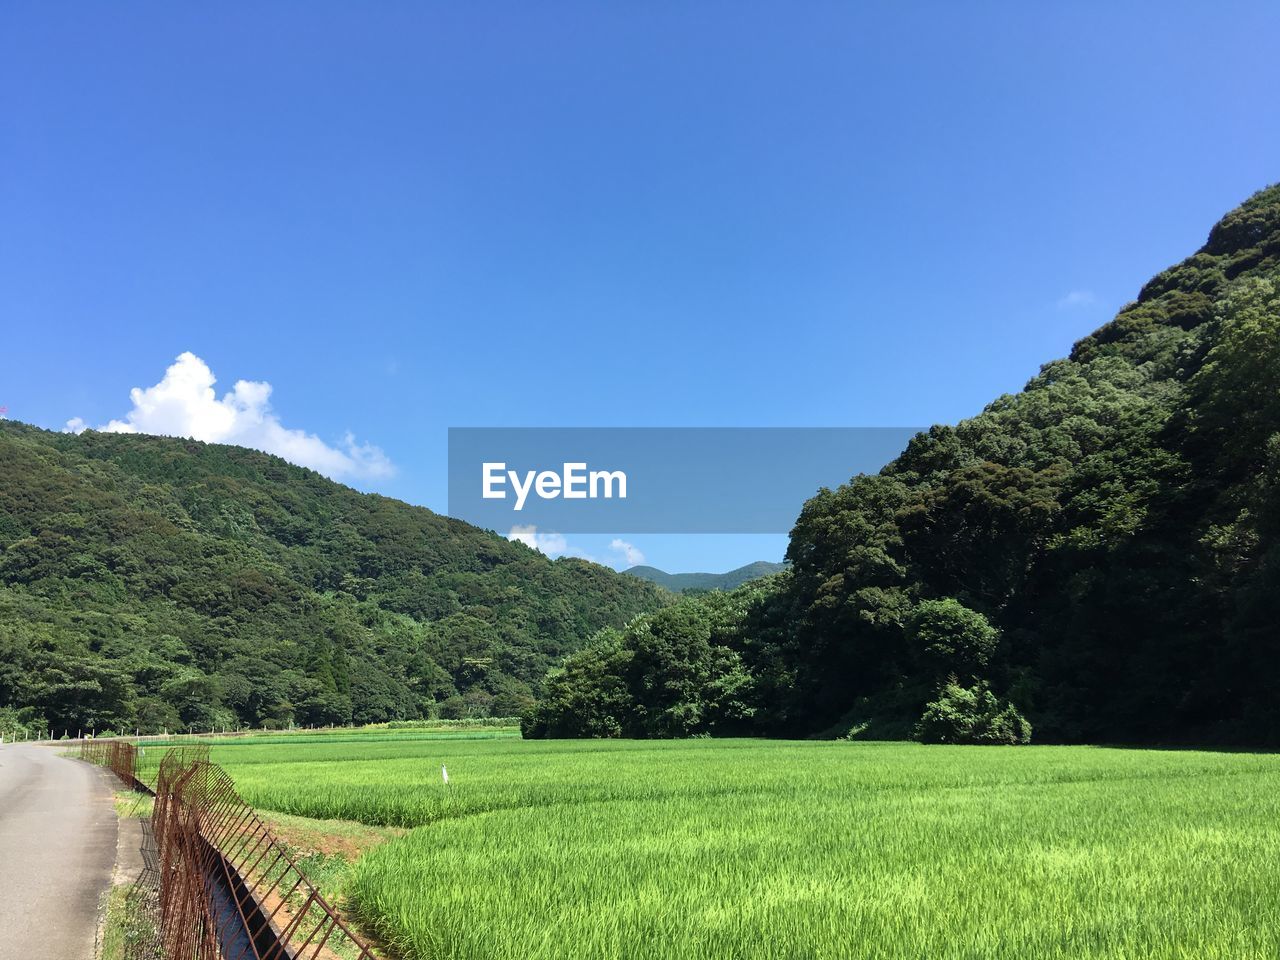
[679,582]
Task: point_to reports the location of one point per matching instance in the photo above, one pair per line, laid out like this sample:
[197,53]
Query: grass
[132,805]
[326,850]
[127,928]
[754,849]
[114,937]
[152,751]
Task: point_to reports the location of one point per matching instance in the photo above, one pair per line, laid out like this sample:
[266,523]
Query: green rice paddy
[763,849]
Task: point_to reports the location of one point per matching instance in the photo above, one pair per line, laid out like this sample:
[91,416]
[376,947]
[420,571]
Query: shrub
[971,715]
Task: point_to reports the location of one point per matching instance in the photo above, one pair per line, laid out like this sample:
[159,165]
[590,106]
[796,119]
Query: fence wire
[119,756]
[217,883]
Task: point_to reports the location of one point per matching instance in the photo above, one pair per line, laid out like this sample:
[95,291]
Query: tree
[588,696]
[971,715]
[950,638]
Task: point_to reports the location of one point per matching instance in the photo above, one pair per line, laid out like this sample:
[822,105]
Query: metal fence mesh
[120,756]
[218,885]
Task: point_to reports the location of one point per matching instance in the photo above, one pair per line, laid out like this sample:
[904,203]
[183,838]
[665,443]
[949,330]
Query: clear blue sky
[407,216]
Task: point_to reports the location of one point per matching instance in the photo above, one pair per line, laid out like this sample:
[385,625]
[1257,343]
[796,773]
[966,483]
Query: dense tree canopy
[1099,553]
[153,583]
[673,673]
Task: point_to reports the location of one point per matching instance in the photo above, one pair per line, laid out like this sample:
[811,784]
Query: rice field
[764,849]
[152,751]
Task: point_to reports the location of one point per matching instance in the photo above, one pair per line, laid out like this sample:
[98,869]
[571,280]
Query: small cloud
[552,544]
[555,545]
[629,552]
[1077,298]
[183,404]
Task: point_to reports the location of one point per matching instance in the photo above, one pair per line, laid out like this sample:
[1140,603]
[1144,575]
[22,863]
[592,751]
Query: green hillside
[163,583]
[680,582]
[1098,554]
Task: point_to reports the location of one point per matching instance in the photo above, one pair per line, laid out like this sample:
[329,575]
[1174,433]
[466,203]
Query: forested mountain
[680,582]
[1099,554]
[159,583]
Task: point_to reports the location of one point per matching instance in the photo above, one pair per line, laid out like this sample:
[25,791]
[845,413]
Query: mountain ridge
[680,582]
[150,582]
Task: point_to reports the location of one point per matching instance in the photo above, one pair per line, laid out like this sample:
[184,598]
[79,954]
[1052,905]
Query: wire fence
[119,756]
[217,883]
[149,758]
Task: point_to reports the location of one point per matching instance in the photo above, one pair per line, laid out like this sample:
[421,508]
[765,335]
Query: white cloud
[552,544]
[183,404]
[555,545]
[1077,298]
[630,553]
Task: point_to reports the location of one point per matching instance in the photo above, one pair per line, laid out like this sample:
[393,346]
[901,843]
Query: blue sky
[411,216]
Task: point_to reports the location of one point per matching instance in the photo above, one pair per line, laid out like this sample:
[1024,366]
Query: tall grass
[750,849]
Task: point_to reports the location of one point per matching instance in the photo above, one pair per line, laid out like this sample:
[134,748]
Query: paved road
[57,851]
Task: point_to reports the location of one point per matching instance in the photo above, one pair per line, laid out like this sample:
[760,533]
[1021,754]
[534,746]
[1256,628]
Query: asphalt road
[57,852]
